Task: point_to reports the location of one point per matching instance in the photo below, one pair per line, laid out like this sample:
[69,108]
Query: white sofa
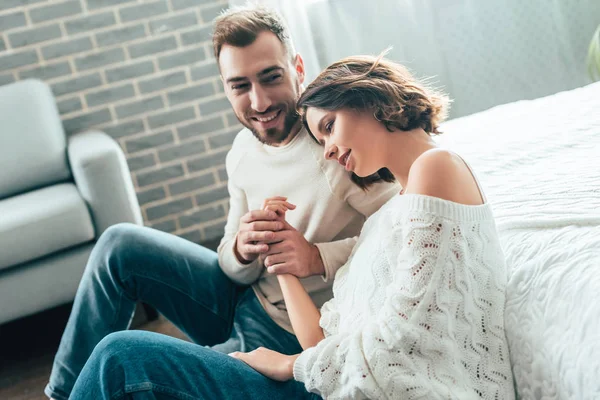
[57,195]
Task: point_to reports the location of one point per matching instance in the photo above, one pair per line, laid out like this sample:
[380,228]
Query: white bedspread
[539,163]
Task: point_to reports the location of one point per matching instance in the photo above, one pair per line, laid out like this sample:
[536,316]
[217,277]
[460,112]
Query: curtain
[482,53]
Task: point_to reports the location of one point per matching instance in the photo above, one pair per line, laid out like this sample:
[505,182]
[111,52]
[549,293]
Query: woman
[418,308]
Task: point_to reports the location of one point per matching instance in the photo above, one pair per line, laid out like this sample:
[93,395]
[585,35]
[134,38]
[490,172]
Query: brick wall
[143,72]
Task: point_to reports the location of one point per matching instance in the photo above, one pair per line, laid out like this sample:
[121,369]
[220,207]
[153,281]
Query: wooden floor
[27,348]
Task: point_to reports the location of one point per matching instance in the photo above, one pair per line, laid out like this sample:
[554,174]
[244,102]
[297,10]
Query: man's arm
[367,202]
[245,237]
[335,254]
[239,272]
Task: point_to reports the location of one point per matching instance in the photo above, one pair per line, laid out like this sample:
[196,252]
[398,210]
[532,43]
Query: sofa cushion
[33,150]
[42,222]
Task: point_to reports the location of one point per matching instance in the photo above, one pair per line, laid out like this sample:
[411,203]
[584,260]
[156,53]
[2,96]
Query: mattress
[539,164]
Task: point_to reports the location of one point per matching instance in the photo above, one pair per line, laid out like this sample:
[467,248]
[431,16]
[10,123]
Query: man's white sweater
[330,211]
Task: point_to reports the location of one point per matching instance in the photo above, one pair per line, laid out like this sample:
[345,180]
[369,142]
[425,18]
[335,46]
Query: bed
[539,163]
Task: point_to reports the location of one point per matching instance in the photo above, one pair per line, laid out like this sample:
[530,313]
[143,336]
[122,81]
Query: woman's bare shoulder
[443,174]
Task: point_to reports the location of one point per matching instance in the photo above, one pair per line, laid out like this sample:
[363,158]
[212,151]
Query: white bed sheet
[539,164]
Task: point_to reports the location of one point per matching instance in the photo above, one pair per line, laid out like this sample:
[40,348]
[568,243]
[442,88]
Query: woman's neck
[403,149]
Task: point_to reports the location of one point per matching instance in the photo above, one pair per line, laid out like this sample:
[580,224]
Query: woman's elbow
[313,341]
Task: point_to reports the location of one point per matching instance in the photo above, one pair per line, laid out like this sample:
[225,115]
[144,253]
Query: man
[207,295]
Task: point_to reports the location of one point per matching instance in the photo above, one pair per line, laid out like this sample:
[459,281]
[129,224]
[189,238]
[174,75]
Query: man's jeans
[184,282]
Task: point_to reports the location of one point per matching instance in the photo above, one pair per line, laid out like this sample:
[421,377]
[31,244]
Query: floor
[27,348]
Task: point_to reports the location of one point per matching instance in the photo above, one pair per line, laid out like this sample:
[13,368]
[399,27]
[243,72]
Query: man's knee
[119,236]
[118,347]
[117,245]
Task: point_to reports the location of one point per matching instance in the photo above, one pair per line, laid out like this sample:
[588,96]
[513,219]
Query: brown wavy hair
[385,88]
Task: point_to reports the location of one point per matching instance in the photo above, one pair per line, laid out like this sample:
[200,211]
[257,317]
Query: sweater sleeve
[371,200]
[243,274]
[335,254]
[359,364]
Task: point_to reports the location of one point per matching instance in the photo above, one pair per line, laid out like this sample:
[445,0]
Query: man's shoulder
[242,143]
[244,139]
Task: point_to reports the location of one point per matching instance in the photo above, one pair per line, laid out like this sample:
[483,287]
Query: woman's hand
[274,365]
[279,205]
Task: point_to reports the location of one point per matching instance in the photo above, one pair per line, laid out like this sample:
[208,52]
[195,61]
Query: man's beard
[274,135]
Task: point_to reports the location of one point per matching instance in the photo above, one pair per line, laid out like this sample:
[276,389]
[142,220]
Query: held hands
[257,228]
[289,252]
[274,365]
[279,205]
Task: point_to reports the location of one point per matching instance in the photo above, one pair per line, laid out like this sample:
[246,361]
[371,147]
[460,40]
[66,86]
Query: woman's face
[352,138]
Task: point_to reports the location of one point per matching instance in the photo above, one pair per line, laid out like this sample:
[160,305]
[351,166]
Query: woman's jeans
[184,282]
[148,365]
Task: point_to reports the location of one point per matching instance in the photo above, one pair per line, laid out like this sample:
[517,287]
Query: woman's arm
[271,364]
[303,313]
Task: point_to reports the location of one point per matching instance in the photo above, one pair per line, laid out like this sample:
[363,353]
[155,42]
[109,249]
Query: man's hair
[382,87]
[239,27]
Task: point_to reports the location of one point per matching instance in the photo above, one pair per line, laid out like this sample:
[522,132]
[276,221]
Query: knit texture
[418,309]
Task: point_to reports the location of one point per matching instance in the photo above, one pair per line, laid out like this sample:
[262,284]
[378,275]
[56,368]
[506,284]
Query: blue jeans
[181,280]
[148,365]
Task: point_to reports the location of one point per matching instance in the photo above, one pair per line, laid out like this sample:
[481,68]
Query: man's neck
[293,133]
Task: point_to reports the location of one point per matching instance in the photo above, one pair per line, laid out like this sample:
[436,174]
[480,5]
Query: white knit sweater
[418,309]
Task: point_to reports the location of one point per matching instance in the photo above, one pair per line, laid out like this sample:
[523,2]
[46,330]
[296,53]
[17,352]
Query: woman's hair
[385,88]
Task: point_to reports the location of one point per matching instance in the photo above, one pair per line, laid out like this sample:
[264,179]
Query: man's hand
[292,254]
[257,228]
[274,365]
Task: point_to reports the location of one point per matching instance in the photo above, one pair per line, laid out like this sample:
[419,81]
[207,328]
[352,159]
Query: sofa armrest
[103,179]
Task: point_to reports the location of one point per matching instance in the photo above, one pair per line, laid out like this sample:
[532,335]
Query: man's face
[262,84]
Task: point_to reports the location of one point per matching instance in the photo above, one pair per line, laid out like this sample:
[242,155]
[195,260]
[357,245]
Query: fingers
[254,238]
[274,259]
[258,215]
[287,226]
[280,207]
[249,248]
[269,199]
[280,236]
[278,204]
[283,203]
[277,208]
[272,226]
[278,247]
[259,236]
[240,356]
[279,269]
